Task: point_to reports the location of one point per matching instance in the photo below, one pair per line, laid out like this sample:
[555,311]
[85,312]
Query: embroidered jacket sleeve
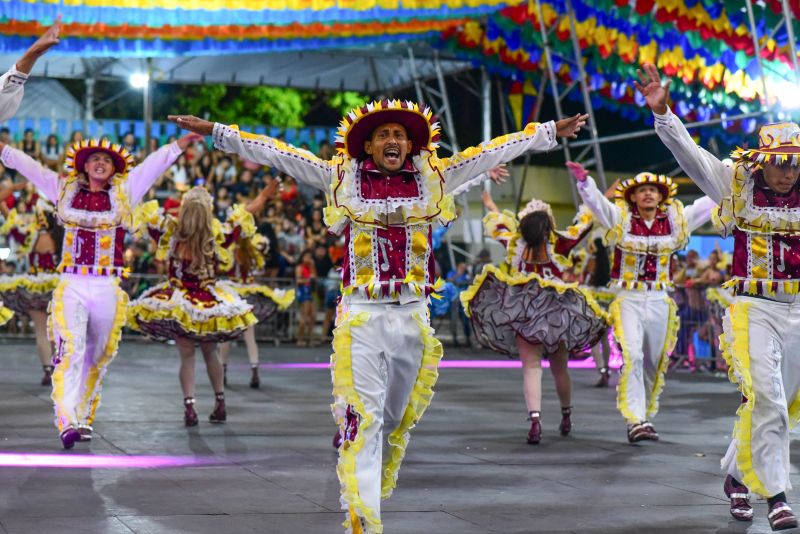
[469,184]
[569,238]
[300,164]
[699,212]
[11,90]
[709,173]
[461,168]
[502,227]
[42,177]
[144,175]
[606,213]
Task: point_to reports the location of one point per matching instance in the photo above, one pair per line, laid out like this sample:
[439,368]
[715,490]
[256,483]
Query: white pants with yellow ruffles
[384,366]
[646,328]
[87,316]
[760,342]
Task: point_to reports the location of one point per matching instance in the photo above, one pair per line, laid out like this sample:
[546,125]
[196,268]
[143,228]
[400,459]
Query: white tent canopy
[372,70]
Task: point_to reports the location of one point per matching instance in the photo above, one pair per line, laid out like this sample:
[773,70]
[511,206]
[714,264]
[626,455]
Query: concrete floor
[271,467]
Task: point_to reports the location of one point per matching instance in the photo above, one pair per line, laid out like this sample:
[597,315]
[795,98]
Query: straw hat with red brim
[79,152]
[357,126]
[665,185]
[778,144]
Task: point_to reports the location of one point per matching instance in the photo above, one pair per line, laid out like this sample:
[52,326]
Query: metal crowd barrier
[696,347]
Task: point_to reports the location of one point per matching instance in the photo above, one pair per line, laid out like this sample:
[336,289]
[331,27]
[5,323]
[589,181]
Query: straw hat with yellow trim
[778,144]
[357,126]
[79,152]
[665,185]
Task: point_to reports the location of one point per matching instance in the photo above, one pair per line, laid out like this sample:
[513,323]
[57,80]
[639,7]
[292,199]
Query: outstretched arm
[699,212]
[606,213]
[709,173]
[537,137]
[144,175]
[42,177]
[497,175]
[13,81]
[300,164]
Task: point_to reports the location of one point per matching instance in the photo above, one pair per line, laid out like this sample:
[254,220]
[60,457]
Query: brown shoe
[189,413]
[535,433]
[47,377]
[602,382]
[781,517]
[86,432]
[255,381]
[219,415]
[651,433]
[566,421]
[740,499]
[69,436]
[637,432]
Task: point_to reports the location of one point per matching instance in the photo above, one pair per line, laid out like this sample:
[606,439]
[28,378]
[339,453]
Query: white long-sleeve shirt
[12,85]
[711,175]
[140,179]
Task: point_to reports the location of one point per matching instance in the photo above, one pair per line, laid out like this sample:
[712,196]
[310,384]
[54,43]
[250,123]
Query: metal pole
[587,101]
[417,85]
[788,16]
[486,97]
[757,51]
[88,103]
[556,99]
[148,108]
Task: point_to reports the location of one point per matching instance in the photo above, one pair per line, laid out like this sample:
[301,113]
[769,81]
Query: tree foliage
[275,106]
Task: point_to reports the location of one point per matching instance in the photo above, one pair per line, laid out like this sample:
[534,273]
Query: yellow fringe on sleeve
[5,315]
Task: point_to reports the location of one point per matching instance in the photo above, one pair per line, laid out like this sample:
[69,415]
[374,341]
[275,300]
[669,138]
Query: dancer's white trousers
[761,341]
[384,367]
[645,326]
[87,316]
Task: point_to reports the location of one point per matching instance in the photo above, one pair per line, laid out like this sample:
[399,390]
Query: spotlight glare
[139,80]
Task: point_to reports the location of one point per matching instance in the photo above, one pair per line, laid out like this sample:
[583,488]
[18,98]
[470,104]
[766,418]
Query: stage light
[787,93]
[139,80]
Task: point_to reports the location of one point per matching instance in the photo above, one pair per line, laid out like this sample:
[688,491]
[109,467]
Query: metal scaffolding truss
[591,155]
[434,93]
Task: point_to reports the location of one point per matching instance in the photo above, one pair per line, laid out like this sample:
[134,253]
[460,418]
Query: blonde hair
[195,231]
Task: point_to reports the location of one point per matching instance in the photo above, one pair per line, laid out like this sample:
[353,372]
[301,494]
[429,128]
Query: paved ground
[271,468]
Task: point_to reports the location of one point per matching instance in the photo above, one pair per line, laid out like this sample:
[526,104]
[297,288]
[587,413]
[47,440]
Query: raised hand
[187,140]
[571,126]
[257,204]
[44,43]
[577,171]
[488,202]
[612,190]
[193,124]
[498,174]
[654,91]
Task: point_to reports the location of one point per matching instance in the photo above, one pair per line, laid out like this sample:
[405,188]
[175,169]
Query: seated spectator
[52,153]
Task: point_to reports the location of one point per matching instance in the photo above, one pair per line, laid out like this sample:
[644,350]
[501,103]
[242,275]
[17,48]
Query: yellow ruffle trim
[520,279]
[735,346]
[719,296]
[615,310]
[10,284]
[418,402]
[11,222]
[283,300]
[5,315]
[345,205]
[57,319]
[344,392]
[673,324]
[141,313]
[94,380]
[680,233]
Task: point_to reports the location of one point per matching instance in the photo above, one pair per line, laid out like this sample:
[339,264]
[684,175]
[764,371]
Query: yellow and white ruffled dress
[188,305]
